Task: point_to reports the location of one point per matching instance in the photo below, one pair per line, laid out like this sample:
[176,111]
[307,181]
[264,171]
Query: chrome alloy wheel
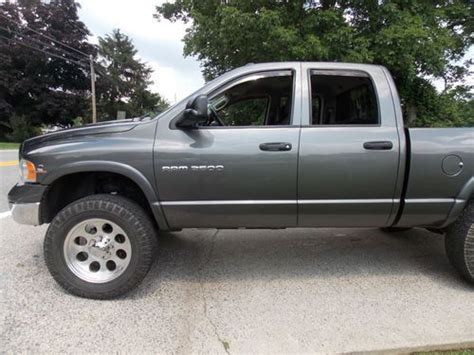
[97,250]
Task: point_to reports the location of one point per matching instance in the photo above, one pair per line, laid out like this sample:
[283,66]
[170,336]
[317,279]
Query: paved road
[9,175]
[302,290]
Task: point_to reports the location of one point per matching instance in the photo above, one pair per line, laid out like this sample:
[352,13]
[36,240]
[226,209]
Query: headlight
[27,171]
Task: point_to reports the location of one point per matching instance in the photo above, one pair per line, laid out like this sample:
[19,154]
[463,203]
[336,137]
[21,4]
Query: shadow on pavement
[324,254]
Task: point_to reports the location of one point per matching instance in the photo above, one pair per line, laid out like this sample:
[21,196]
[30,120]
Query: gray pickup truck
[274,145]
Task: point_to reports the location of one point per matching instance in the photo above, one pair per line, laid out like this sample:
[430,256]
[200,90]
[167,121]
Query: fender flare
[466,193]
[113,167]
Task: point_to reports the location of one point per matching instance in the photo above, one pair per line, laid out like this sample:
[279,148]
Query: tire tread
[459,243]
[124,208]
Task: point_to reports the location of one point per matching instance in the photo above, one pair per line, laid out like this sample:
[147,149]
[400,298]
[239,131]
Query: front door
[240,171]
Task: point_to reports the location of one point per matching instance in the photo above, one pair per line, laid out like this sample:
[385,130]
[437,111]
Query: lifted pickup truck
[273,145]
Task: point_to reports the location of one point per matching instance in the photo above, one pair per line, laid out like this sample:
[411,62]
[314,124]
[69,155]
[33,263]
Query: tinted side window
[258,100]
[249,112]
[316,109]
[343,100]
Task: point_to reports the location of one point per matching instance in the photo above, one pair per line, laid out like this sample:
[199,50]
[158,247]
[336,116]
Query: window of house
[346,99]
[256,100]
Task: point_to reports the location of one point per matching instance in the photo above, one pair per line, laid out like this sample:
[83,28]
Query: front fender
[113,167]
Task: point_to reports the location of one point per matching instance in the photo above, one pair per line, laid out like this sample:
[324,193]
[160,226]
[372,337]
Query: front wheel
[100,246]
[459,243]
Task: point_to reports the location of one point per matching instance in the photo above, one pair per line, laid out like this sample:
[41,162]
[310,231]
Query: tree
[123,85]
[37,84]
[415,39]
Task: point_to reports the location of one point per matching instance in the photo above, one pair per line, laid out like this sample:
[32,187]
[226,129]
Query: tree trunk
[411,114]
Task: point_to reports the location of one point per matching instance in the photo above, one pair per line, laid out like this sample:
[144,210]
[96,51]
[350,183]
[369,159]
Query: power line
[49,46]
[61,50]
[98,68]
[58,49]
[81,64]
[102,74]
[45,36]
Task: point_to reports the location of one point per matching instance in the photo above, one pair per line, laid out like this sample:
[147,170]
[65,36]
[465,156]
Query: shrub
[20,128]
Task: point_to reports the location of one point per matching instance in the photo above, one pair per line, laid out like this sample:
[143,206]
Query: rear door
[349,149]
[242,174]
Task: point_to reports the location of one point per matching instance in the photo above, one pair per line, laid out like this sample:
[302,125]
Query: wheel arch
[87,168]
[461,201]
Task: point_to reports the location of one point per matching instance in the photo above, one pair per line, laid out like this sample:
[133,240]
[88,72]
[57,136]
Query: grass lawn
[4,145]
[448,352]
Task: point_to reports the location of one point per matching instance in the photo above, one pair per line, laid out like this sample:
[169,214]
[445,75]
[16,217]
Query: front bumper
[26,213]
[25,203]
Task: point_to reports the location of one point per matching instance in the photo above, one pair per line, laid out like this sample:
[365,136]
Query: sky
[158,43]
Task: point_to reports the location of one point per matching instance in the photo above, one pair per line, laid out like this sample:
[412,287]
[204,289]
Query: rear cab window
[342,98]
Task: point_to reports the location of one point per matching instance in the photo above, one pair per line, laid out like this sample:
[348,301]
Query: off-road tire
[459,243]
[123,212]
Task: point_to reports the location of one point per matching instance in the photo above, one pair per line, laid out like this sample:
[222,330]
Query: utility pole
[94,112]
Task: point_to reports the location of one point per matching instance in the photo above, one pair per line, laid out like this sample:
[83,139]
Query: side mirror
[196,112]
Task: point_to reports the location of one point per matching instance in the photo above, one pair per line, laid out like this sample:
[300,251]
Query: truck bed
[438,175]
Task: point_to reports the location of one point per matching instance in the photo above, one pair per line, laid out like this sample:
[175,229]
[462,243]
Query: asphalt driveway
[299,290]
[9,175]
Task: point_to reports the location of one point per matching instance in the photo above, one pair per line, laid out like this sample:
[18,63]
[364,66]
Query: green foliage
[124,85]
[20,129]
[78,121]
[40,88]
[9,145]
[413,39]
[446,352]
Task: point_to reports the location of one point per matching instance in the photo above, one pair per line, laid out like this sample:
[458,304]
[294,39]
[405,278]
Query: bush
[20,128]
[78,121]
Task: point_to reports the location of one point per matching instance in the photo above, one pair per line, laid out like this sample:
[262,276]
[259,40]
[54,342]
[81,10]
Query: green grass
[447,352]
[4,145]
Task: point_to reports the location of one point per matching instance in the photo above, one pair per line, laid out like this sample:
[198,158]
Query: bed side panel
[442,164]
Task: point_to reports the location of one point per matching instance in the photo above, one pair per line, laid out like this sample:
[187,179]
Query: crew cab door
[242,174]
[349,149]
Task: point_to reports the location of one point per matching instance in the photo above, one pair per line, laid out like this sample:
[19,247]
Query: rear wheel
[100,246]
[460,243]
